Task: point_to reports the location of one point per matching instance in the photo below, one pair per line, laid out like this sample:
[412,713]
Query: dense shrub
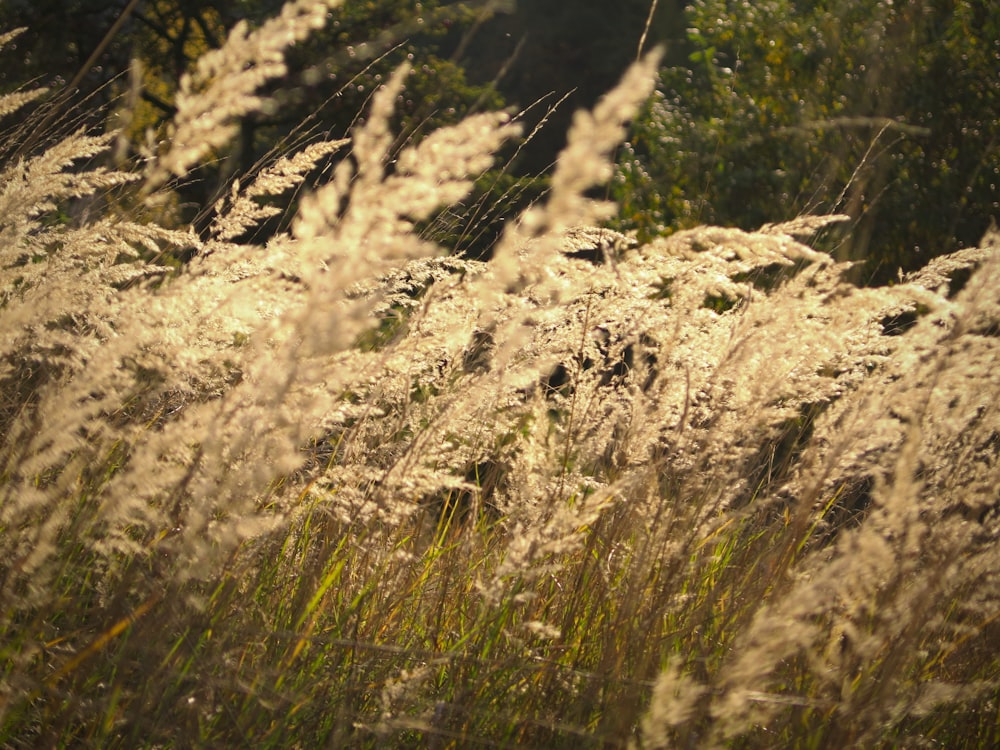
[888,112]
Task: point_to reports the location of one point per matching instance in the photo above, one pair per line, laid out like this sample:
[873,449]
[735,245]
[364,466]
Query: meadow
[344,488]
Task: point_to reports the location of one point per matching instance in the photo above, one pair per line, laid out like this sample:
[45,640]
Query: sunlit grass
[344,490]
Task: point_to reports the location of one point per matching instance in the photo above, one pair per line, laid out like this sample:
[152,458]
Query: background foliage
[889,112]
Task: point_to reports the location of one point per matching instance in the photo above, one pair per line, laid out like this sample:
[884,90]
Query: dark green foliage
[890,113]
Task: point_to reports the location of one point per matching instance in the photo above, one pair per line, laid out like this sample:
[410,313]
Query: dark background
[545,48]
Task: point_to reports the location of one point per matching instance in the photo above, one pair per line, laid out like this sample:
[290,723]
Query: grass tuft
[347,489]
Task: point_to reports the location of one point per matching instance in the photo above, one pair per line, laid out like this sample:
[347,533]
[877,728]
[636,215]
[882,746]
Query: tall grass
[346,490]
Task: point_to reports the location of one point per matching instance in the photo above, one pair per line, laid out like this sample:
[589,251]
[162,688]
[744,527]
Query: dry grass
[345,490]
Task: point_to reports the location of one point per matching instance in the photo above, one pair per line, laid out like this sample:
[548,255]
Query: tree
[888,112]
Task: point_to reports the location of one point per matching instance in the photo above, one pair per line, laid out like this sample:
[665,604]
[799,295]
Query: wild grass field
[346,489]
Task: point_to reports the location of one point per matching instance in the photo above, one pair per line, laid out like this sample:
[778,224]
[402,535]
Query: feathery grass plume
[63,313]
[286,173]
[180,408]
[224,84]
[712,492]
[362,223]
[456,310]
[583,164]
[8,36]
[13,101]
[58,282]
[201,466]
[873,629]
